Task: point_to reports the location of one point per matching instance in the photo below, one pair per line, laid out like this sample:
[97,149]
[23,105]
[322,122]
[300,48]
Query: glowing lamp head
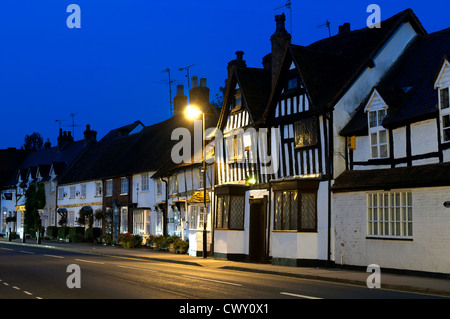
[193,112]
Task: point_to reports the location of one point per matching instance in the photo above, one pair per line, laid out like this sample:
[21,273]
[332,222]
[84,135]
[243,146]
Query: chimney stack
[344,28]
[280,40]
[64,138]
[89,135]
[180,100]
[199,94]
[239,62]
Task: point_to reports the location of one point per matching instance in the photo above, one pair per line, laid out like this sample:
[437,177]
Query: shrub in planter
[52,232]
[181,246]
[76,234]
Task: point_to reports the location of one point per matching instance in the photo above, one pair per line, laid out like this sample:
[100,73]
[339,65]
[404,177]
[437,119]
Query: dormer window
[378,134]
[444,110]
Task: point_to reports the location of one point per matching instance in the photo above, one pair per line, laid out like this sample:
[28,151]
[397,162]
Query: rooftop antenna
[72,115]
[187,73]
[170,89]
[287,5]
[327,24]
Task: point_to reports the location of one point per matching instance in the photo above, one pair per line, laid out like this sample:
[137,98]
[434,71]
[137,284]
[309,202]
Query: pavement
[407,283]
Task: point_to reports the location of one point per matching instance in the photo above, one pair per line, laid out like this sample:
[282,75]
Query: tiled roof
[386,179]
[330,66]
[408,87]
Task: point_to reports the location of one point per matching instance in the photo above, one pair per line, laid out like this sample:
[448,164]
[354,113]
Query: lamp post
[193,112]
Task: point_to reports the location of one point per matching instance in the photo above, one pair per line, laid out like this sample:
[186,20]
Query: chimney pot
[344,28]
[180,90]
[239,55]
[203,82]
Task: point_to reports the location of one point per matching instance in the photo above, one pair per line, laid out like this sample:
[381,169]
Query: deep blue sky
[109,71]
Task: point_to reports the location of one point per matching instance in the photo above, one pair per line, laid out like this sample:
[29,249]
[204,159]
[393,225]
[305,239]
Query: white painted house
[391,203]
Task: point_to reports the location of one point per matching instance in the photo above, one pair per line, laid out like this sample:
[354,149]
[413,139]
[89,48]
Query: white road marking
[15,287]
[218,281]
[6,284]
[38,298]
[89,261]
[54,256]
[137,268]
[26,252]
[27,292]
[5,248]
[299,296]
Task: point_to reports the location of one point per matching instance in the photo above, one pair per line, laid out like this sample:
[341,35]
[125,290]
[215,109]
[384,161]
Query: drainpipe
[167,208]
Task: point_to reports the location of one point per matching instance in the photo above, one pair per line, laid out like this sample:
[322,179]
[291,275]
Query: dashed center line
[298,296]
[15,287]
[213,280]
[5,248]
[26,252]
[143,269]
[27,292]
[90,261]
[54,256]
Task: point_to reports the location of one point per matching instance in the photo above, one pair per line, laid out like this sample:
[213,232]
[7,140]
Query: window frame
[124,183]
[313,125]
[145,183]
[377,130]
[224,223]
[299,214]
[109,188]
[443,112]
[391,220]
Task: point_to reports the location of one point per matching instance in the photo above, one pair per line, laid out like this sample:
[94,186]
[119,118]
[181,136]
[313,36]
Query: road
[28,272]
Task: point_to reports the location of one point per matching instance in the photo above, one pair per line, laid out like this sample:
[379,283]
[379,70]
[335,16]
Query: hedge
[52,232]
[76,234]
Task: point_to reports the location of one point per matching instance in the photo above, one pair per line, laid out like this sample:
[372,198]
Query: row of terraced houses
[331,154]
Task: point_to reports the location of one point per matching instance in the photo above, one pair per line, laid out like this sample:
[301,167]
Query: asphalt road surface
[42,273]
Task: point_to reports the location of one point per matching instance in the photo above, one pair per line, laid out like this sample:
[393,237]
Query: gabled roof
[330,66]
[408,87]
[255,86]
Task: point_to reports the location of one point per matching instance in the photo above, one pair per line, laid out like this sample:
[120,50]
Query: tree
[34,200]
[33,142]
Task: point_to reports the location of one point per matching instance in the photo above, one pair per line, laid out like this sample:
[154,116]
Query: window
[83,191]
[237,101]
[159,187]
[200,178]
[124,219]
[98,189]
[306,132]
[295,211]
[52,186]
[144,182]
[72,192]
[389,214]
[445,113]
[378,134]
[109,187]
[124,186]
[61,193]
[230,212]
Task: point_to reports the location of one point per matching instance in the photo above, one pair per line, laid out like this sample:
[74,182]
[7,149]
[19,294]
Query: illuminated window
[306,133]
[378,134]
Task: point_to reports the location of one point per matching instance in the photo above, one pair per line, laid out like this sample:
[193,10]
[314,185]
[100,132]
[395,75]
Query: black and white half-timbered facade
[312,97]
[391,204]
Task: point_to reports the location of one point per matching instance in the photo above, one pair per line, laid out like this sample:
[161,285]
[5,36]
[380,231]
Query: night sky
[109,71]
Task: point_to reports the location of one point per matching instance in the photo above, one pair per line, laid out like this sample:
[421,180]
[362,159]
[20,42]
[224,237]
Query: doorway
[257,238]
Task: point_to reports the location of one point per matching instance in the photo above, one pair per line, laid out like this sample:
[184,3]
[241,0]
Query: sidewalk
[406,283]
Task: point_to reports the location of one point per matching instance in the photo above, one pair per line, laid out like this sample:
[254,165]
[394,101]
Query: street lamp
[193,112]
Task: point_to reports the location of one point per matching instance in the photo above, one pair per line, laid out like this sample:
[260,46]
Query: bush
[76,234]
[130,241]
[93,234]
[63,232]
[52,232]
